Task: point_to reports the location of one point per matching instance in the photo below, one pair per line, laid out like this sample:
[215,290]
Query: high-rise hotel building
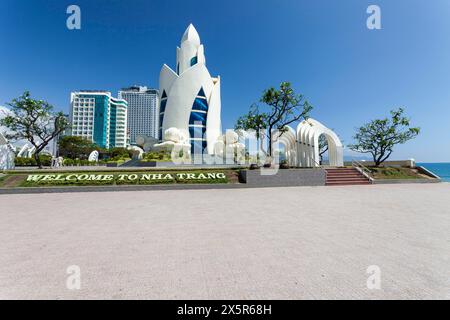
[143,111]
[100,118]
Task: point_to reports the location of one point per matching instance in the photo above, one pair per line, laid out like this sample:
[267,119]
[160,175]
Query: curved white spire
[191,35]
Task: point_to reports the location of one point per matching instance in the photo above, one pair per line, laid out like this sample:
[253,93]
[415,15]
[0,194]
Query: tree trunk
[375,160]
[270,143]
[38,160]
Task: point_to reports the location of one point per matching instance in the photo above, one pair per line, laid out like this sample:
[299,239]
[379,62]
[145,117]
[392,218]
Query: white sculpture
[190,97]
[177,143]
[93,157]
[26,151]
[146,142]
[229,147]
[7,154]
[138,153]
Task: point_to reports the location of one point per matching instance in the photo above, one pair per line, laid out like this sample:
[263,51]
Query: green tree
[323,147]
[35,121]
[284,108]
[256,121]
[75,147]
[116,153]
[380,136]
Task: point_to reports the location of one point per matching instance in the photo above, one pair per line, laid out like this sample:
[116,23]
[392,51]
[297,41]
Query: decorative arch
[308,133]
[289,140]
[302,145]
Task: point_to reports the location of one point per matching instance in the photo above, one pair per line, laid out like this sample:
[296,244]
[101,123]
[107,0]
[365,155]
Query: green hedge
[31,162]
[161,156]
[78,162]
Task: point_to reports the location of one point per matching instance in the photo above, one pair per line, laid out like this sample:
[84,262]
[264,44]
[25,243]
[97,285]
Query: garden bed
[104,178]
[396,173]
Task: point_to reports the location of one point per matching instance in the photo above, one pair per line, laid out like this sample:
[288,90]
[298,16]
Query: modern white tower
[190,97]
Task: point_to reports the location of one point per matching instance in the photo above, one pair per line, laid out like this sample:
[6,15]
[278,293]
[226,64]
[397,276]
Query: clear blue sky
[349,73]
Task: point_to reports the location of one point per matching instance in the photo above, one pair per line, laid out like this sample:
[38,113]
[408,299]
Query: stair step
[345,177]
[347,183]
[348,179]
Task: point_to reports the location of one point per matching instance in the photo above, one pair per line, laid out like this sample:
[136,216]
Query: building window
[194,61]
[197,122]
[198,118]
[200,104]
[201,93]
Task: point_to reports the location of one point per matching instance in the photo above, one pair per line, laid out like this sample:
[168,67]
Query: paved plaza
[268,243]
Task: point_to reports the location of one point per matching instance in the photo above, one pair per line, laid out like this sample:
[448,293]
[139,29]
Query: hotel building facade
[100,118]
[143,110]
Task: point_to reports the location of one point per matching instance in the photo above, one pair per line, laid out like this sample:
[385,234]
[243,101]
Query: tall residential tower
[143,106]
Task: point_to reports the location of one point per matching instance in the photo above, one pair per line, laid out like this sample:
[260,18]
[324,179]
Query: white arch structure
[302,145]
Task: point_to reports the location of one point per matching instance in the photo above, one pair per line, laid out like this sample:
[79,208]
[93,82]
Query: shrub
[31,162]
[157,156]
[284,165]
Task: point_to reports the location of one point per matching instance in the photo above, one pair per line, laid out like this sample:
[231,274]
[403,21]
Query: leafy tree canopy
[35,121]
[380,136]
[74,147]
[284,107]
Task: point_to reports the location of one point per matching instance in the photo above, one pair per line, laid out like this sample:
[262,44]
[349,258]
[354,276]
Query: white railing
[363,170]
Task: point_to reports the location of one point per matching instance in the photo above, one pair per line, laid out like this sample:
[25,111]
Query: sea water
[440,169]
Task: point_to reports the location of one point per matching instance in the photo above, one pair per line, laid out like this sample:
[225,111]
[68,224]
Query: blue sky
[349,73]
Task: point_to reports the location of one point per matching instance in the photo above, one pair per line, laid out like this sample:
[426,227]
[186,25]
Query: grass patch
[395,173]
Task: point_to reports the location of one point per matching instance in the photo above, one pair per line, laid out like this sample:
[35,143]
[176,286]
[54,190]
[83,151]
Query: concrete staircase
[345,176]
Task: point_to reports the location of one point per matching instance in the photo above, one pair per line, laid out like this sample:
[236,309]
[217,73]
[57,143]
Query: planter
[112,165]
[147,164]
[283,178]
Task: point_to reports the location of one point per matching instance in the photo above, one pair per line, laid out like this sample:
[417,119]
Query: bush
[46,160]
[284,165]
[157,156]
[120,153]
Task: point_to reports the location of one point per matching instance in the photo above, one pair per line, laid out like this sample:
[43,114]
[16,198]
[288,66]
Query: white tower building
[190,97]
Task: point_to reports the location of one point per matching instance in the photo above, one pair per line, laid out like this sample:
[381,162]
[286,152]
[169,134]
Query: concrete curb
[38,190]
[405,181]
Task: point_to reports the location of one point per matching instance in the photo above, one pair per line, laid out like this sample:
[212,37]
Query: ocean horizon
[442,169]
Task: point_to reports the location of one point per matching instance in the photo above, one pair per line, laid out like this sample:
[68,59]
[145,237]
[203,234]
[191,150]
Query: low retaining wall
[284,178]
[392,163]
